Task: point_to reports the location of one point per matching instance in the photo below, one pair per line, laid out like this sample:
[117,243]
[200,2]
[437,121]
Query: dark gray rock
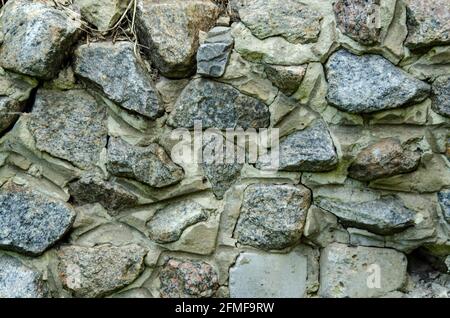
[383,216]
[286,78]
[150,165]
[18,280]
[214,53]
[370,83]
[29,221]
[444,202]
[311,149]
[36,38]
[168,223]
[441,96]
[121,75]
[217,105]
[272,215]
[70,125]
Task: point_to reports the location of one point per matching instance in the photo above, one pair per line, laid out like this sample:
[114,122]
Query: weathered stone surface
[36,38]
[370,83]
[31,222]
[214,53]
[354,271]
[69,125]
[120,74]
[102,13]
[101,270]
[170,30]
[290,19]
[168,223]
[14,91]
[383,216]
[427,23]
[18,280]
[444,202]
[385,158]
[357,19]
[187,279]
[150,164]
[286,78]
[92,188]
[272,216]
[441,96]
[311,149]
[217,105]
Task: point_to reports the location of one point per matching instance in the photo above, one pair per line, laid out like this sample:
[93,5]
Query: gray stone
[14,93]
[444,202]
[286,78]
[272,216]
[150,165]
[18,280]
[213,55]
[104,14]
[289,19]
[100,270]
[70,125]
[383,216]
[168,223]
[217,105]
[169,29]
[187,279]
[360,272]
[427,22]
[311,149]
[370,83]
[31,222]
[385,158]
[123,78]
[441,96]
[36,38]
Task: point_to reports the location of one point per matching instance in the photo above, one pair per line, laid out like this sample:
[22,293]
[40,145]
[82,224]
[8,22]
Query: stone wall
[94,204]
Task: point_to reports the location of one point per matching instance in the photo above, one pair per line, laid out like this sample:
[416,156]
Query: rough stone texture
[36,38]
[31,222]
[427,23]
[384,216]
[121,76]
[290,19]
[311,149]
[150,165]
[104,14]
[272,216]
[168,223]
[385,158]
[357,19]
[286,78]
[188,279]
[441,96]
[69,125]
[444,202]
[213,55]
[349,271]
[18,280]
[169,29]
[101,270]
[370,83]
[217,105]
[14,91]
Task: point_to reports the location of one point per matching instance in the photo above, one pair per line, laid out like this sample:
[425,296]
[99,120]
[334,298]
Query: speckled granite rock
[101,270]
[290,19]
[150,164]
[120,74]
[18,280]
[286,78]
[187,279]
[385,158]
[444,202]
[427,23]
[441,96]
[31,222]
[102,13]
[217,105]
[168,223]
[272,216]
[370,83]
[69,125]
[213,55]
[169,29]
[36,38]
